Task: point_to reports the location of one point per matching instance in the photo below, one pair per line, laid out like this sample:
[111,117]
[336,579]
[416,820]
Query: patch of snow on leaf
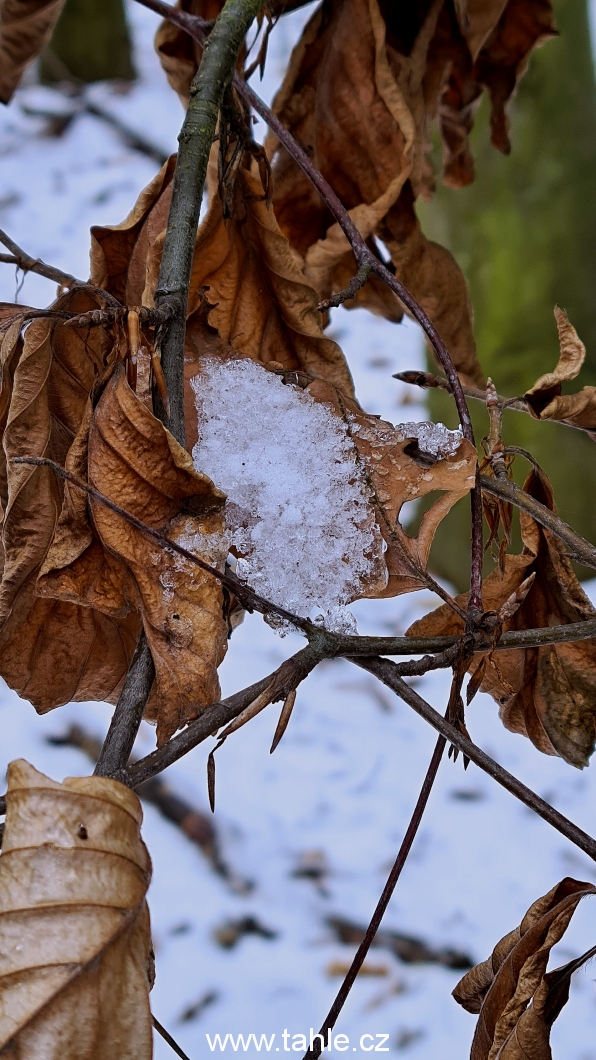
[433,438]
[298,511]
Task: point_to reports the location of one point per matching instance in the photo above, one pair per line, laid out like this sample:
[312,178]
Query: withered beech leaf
[477,19]
[464,61]
[262,304]
[516,1000]
[119,252]
[546,693]
[25,27]
[248,292]
[74,925]
[138,464]
[356,97]
[178,53]
[395,475]
[546,400]
[51,651]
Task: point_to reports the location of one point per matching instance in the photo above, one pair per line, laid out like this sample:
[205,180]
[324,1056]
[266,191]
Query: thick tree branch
[580,550]
[128,714]
[387,672]
[196,137]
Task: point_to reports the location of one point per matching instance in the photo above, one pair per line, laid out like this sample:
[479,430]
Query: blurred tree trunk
[525,235]
[90,42]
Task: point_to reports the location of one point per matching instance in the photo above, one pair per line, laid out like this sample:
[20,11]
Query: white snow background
[343,782]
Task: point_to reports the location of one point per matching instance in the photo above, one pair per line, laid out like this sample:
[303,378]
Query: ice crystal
[298,511]
[433,438]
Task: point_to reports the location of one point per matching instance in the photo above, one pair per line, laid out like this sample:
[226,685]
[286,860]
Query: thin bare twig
[348,292]
[24,261]
[580,550]
[428,380]
[373,927]
[167,1037]
[388,672]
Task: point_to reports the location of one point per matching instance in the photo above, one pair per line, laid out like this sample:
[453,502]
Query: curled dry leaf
[517,1001]
[547,693]
[396,472]
[74,925]
[487,49]
[546,400]
[25,27]
[51,651]
[77,585]
[262,304]
[358,103]
[179,54]
[138,464]
[248,293]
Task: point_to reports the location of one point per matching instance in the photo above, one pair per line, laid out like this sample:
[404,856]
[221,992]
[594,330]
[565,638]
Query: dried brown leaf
[359,105]
[397,474]
[248,292]
[74,924]
[263,305]
[515,1000]
[138,464]
[119,252]
[178,53]
[25,27]
[477,20]
[464,60]
[546,400]
[547,693]
[51,651]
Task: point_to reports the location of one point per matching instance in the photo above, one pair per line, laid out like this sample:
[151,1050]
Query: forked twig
[428,380]
[387,672]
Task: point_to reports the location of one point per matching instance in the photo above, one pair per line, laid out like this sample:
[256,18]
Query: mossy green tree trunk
[525,235]
[90,42]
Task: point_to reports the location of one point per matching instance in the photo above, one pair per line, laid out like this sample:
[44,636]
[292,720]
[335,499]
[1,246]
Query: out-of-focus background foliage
[90,42]
[525,235]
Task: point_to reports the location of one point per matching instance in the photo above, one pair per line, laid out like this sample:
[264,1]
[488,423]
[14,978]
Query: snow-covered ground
[339,790]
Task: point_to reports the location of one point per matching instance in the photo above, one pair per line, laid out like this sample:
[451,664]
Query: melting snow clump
[433,438]
[298,512]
